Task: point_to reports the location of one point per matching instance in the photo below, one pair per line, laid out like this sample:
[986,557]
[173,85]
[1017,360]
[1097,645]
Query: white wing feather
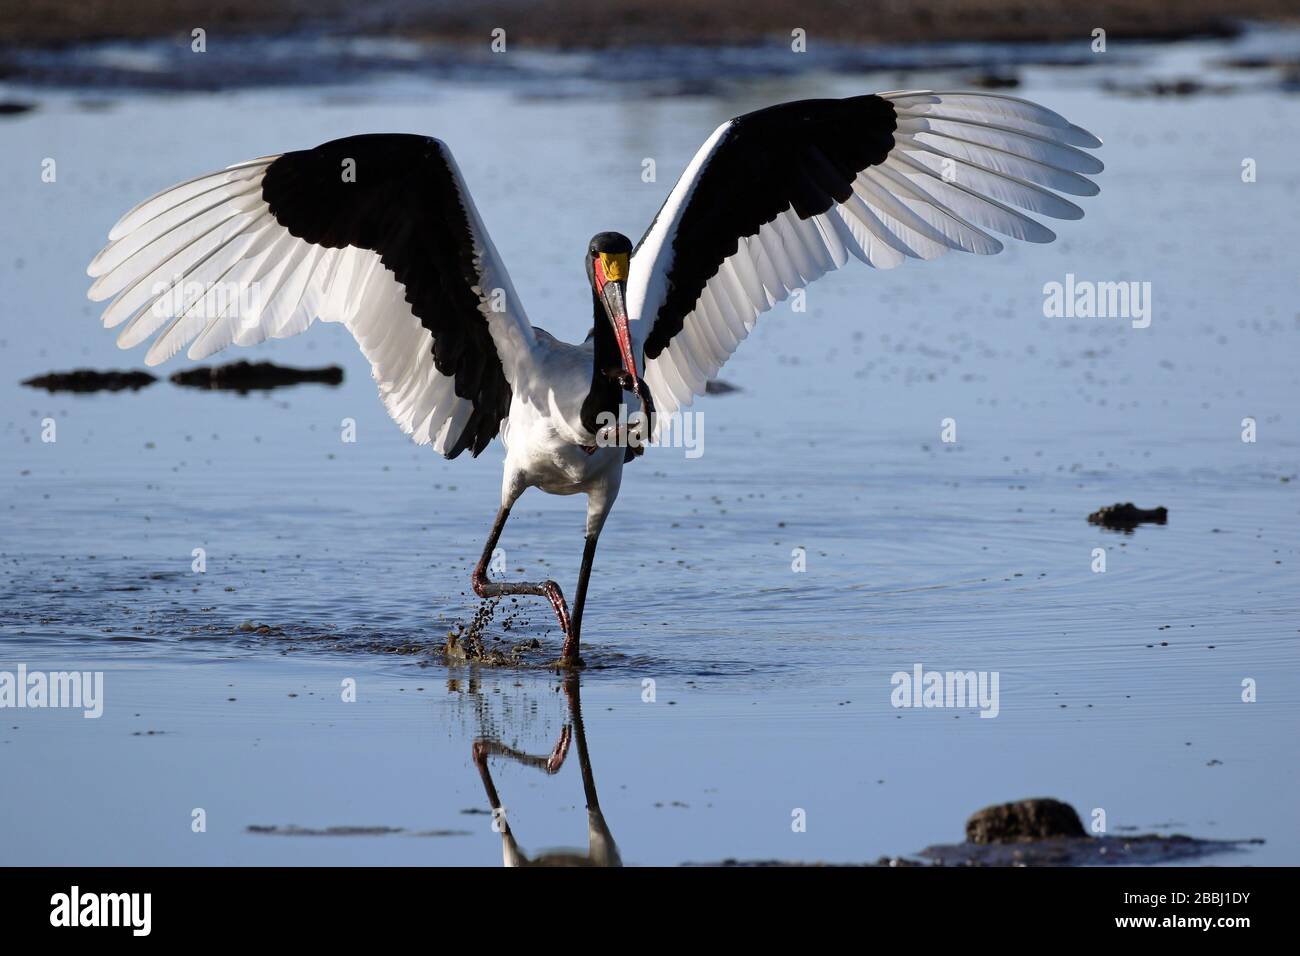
[204,264]
[960,162]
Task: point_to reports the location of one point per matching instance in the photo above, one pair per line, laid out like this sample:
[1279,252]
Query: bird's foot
[553,594]
[569,654]
[479,751]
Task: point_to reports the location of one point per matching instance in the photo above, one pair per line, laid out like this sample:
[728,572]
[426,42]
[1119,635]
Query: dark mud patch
[350,831]
[290,638]
[1041,831]
[1127,516]
[993,81]
[110,606]
[1185,86]
[91,380]
[1264,62]
[730,863]
[1144,849]
[469,643]
[718,387]
[246,377]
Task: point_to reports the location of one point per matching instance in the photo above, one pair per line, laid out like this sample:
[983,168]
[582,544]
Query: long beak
[612,295]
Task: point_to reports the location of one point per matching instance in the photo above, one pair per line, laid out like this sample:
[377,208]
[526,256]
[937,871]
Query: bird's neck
[606,365]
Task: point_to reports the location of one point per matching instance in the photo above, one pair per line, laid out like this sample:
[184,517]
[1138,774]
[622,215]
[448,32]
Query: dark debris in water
[91,380]
[237,376]
[1127,516]
[993,81]
[469,643]
[292,637]
[890,861]
[1184,86]
[250,376]
[346,831]
[1143,849]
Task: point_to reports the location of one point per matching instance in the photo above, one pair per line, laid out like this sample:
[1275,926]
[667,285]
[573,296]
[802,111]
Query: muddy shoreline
[555,59]
[588,24]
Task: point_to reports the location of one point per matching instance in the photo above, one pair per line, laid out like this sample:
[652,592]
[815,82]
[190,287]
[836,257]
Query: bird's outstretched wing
[377,232]
[777,198]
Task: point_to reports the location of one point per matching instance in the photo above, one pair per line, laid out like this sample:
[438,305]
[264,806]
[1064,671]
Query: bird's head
[609,258]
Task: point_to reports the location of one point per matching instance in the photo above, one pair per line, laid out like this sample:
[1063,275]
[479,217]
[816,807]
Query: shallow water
[1118,690]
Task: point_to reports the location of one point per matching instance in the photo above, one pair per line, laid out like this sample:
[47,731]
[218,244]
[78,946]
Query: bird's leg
[484,587]
[480,752]
[486,747]
[570,652]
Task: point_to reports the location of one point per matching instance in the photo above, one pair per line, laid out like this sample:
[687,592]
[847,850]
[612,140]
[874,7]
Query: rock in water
[1037,818]
[90,380]
[717,386]
[247,376]
[1127,516]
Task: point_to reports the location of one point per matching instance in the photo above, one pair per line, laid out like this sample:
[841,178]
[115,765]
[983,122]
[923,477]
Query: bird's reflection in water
[601,849]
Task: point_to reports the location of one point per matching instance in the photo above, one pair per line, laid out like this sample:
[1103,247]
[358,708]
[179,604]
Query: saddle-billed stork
[379,232]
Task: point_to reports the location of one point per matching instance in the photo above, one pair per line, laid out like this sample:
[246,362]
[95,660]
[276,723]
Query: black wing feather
[405,206]
[803,155]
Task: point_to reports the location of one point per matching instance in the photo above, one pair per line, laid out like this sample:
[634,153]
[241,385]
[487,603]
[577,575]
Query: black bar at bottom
[329,904]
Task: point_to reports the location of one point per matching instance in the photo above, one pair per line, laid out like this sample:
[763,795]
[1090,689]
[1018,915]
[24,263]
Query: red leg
[484,587]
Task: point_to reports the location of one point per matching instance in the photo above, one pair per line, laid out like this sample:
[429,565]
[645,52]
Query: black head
[610,242]
[609,261]
[610,245]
